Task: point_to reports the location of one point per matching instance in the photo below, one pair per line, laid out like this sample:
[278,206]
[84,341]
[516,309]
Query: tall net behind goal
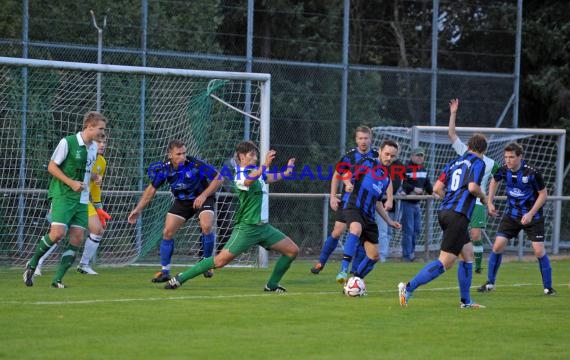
[146,108]
[542,148]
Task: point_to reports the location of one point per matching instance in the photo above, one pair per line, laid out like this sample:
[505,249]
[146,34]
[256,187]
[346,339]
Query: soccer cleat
[29,276]
[173,284]
[486,287]
[317,268]
[160,277]
[403,294]
[58,285]
[341,277]
[278,289]
[38,271]
[471,305]
[208,274]
[86,269]
[478,270]
[549,292]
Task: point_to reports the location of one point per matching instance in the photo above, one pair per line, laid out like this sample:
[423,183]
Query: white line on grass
[201,297]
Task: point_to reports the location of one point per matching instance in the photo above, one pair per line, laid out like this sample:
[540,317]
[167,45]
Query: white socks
[91,245]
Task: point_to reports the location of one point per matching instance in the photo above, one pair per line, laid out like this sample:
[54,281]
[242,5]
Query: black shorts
[185,208]
[338,216]
[369,228]
[510,227]
[455,228]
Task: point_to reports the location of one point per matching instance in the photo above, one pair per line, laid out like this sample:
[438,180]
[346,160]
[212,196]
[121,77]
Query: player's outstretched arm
[283,174]
[146,197]
[255,174]
[453,107]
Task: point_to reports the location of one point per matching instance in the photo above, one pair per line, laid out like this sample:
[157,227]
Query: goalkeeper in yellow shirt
[97,216]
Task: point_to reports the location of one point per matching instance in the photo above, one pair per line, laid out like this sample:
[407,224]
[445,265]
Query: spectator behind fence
[416,182]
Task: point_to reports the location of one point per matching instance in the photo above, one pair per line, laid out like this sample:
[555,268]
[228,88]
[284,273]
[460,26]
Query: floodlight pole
[99,52]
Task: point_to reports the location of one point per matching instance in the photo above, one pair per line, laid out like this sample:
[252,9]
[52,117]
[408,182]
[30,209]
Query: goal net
[42,101]
[543,148]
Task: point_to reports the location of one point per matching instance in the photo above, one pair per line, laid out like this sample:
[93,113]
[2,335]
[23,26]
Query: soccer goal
[42,101]
[543,148]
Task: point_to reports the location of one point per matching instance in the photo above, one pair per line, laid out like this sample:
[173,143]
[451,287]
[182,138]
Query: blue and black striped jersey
[352,157]
[348,160]
[369,187]
[456,177]
[523,186]
[187,181]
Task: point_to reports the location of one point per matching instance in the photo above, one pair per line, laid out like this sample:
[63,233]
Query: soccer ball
[355,287]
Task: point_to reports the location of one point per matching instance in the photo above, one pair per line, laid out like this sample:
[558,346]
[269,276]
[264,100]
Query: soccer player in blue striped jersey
[526,194]
[479,217]
[371,183]
[193,184]
[459,185]
[342,169]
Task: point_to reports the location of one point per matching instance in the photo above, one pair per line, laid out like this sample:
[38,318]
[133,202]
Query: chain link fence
[308,121]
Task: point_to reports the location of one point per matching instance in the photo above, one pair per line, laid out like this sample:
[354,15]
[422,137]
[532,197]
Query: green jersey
[75,160]
[253,199]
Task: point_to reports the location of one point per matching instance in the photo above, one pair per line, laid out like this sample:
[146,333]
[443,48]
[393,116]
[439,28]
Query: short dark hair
[477,143]
[175,144]
[246,146]
[388,142]
[516,147]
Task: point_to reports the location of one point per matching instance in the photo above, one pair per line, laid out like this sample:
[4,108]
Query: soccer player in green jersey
[70,166]
[251,220]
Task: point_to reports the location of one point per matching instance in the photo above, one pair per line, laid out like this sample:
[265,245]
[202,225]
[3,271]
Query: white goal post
[543,148]
[42,101]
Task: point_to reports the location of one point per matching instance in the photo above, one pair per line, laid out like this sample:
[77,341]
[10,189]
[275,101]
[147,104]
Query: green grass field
[121,314]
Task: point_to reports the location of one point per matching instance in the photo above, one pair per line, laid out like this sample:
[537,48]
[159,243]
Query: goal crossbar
[148,106]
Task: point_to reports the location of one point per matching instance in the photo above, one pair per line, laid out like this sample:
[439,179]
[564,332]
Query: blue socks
[328,248]
[545,271]
[208,244]
[365,266]
[427,274]
[166,251]
[494,264]
[543,263]
[358,258]
[349,250]
[464,278]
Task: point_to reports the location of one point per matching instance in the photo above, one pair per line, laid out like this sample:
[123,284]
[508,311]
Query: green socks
[281,267]
[200,268]
[42,248]
[67,260]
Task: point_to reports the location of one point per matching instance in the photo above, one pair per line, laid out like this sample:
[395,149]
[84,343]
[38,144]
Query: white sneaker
[38,271]
[86,269]
[471,305]
[403,294]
